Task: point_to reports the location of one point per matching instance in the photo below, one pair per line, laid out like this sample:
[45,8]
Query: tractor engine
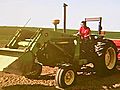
[57,51]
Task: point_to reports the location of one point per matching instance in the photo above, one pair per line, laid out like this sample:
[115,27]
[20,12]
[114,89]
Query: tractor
[28,51]
[101,52]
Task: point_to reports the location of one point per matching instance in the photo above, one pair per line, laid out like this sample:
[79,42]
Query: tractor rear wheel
[65,77]
[107,58]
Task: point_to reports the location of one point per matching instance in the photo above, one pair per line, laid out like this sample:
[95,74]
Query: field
[6,33]
[85,81]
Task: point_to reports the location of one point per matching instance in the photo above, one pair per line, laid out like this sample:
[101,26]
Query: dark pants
[84,48]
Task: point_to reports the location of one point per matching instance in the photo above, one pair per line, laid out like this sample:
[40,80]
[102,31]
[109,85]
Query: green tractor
[101,52]
[28,51]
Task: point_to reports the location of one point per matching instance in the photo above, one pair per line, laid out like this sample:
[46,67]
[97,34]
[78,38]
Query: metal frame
[96,19]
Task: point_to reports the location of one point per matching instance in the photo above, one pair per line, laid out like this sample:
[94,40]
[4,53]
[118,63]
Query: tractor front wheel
[65,77]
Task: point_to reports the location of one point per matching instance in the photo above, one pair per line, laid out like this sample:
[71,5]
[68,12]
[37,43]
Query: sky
[42,12]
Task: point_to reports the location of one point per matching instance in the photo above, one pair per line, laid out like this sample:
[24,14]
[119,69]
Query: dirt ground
[47,82]
[85,81]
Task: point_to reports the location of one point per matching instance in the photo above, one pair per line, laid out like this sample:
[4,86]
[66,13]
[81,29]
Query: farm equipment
[102,53]
[28,51]
[25,49]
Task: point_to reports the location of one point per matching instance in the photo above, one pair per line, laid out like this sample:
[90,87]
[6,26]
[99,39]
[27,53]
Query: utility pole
[64,29]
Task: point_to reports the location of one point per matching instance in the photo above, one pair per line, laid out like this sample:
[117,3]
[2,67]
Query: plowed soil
[84,81]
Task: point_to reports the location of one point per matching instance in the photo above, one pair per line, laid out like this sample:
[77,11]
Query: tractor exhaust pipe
[64,29]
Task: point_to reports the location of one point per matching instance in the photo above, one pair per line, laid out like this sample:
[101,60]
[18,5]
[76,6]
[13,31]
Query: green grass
[7,32]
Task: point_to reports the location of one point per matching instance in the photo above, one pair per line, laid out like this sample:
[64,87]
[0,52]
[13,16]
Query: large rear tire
[106,58]
[65,77]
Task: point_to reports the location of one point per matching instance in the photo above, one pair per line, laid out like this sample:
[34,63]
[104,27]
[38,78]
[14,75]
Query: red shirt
[84,32]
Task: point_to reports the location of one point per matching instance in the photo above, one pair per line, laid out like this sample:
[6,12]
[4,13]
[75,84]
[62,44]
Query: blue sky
[42,12]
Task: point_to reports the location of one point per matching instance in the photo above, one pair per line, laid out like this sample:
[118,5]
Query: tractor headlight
[75,42]
[96,37]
